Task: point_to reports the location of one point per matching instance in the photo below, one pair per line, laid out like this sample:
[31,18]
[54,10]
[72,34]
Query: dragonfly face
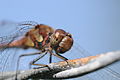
[61,41]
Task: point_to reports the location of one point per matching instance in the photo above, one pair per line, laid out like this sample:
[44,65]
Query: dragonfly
[44,38]
[41,37]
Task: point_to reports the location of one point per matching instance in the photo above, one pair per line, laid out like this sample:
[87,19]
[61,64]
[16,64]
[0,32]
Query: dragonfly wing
[20,29]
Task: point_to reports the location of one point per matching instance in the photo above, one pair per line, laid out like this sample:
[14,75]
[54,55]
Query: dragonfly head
[61,41]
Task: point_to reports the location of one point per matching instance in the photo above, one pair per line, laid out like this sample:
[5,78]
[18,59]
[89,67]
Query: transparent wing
[11,31]
[19,30]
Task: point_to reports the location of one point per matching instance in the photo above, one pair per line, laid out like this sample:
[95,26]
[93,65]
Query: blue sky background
[94,24]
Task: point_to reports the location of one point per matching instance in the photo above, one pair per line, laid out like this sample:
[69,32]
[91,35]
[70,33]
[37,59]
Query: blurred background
[94,24]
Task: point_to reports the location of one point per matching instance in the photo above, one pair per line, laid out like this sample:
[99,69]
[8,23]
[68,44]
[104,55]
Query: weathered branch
[67,69]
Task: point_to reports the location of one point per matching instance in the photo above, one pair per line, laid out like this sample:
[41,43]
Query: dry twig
[67,69]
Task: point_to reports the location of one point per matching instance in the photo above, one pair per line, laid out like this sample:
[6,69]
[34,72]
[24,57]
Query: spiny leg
[50,58]
[29,54]
[59,56]
[43,65]
[62,57]
[35,60]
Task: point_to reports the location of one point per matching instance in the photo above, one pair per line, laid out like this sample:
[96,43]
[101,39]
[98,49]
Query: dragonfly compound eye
[65,44]
[61,41]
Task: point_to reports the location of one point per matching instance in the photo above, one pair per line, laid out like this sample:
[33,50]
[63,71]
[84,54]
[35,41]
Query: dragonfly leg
[35,60]
[23,55]
[50,58]
[59,56]
[62,57]
[29,54]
